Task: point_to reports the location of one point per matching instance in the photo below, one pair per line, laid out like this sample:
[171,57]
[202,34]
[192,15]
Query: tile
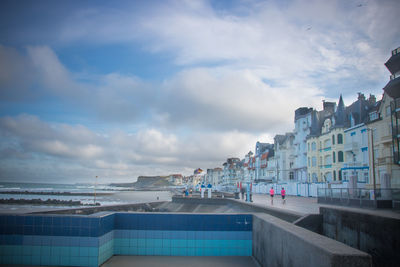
[74,251]
[133,242]
[93,261]
[75,261]
[84,251]
[65,261]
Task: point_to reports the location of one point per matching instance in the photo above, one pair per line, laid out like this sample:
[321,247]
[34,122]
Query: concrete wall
[312,222]
[279,243]
[377,235]
[151,206]
[289,216]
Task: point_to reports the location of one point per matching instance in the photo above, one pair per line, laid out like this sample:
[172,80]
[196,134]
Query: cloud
[38,146]
[218,98]
[232,100]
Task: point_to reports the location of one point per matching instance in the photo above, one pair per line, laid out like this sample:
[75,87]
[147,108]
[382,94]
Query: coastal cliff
[147,183]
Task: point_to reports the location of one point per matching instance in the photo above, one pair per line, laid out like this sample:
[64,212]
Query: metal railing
[357,196]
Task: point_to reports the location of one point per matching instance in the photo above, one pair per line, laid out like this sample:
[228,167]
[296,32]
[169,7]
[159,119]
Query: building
[356,166]
[325,144]
[284,157]
[232,171]
[214,176]
[392,91]
[264,151]
[248,167]
[176,179]
[302,120]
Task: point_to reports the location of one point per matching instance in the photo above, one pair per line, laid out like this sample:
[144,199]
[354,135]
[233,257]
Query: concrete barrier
[286,215]
[279,243]
[150,206]
[376,235]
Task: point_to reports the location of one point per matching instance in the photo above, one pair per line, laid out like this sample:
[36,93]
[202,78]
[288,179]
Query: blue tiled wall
[67,240]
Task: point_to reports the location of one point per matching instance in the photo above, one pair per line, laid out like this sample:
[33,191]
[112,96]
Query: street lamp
[95,184]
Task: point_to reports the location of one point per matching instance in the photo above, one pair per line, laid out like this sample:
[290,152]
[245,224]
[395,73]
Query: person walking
[242,190]
[272,193]
[283,194]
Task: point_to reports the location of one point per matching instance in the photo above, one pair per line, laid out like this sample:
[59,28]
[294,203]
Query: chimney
[372,99]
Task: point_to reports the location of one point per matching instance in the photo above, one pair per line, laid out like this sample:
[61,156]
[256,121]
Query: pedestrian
[283,194]
[242,192]
[272,193]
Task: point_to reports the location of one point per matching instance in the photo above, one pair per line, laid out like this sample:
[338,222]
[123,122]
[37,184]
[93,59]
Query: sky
[119,89]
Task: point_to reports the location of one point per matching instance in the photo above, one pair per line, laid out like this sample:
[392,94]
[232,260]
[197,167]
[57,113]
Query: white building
[302,119]
[214,176]
[284,157]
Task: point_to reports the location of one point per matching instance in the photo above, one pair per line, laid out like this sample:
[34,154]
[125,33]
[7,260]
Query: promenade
[309,205]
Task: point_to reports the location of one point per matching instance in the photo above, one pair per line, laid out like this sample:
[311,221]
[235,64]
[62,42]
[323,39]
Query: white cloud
[118,155]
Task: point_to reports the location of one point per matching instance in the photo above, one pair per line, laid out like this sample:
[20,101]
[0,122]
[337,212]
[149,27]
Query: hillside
[147,183]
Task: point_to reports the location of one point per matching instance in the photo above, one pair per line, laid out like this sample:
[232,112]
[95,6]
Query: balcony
[395,105]
[384,160]
[351,146]
[352,164]
[326,166]
[325,149]
[392,88]
[393,63]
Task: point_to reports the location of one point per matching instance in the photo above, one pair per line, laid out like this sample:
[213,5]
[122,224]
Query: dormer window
[373,116]
[327,125]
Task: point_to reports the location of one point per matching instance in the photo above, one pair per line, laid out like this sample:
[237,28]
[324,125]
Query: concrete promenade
[309,205]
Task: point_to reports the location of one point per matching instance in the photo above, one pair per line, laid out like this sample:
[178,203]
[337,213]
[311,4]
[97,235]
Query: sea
[105,194]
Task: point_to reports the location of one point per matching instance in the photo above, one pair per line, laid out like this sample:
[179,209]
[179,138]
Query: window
[333,139]
[365,155]
[314,177]
[364,137]
[309,162]
[387,111]
[340,139]
[340,175]
[334,175]
[313,161]
[308,146]
[334,157]
[313,146]
[327,143]
[373,116]
[291,175]
[366,175]
[340,156]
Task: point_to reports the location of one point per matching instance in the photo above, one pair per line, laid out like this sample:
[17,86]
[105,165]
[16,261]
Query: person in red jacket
[272,193]
[283,194]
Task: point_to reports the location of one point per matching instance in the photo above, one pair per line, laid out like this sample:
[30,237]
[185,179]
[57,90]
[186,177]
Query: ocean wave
[10,188]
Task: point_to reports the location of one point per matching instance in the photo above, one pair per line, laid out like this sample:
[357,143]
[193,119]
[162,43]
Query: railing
[354,164]
[361,197]
[385,160]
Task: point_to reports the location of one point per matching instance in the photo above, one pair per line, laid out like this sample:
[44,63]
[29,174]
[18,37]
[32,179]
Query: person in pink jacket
[283,194]
[272,193]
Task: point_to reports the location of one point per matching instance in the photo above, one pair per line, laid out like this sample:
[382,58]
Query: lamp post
[95,184]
